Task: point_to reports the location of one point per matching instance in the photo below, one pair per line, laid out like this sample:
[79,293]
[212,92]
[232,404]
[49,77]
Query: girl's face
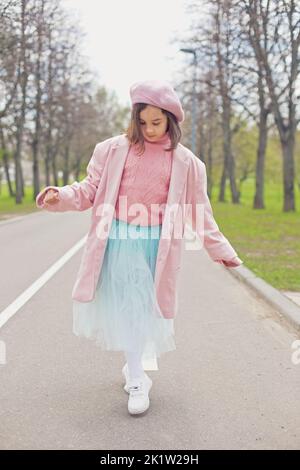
[153,123]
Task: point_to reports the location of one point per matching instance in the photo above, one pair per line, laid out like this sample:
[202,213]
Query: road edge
[285,306]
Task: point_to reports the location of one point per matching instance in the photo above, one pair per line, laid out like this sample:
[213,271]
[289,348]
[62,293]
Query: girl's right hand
[51,197]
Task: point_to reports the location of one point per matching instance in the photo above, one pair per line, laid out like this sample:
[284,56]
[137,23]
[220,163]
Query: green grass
[267,240]
[8,206]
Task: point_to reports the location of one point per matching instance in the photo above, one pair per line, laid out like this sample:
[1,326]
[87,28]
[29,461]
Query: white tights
[134,362]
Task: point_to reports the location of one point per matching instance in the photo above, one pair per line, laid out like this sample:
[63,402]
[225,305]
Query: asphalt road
[230,384]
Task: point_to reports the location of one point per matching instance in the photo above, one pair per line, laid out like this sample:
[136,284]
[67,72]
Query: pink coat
[187,189]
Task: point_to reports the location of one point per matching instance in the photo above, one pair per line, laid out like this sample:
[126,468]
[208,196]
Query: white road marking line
[9,311]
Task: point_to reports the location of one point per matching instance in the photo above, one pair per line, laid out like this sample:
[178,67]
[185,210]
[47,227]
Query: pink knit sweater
[145,180]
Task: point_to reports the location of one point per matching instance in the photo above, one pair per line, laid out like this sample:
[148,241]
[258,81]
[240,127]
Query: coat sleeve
[78,196]
[200,217]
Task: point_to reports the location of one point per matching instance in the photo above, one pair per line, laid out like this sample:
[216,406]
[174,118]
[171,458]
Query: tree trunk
[258,202]
[66,166]
[6,164]
[223,181]
[288,145]
[20,122]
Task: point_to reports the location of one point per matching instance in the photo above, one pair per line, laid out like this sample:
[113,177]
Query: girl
[125,292]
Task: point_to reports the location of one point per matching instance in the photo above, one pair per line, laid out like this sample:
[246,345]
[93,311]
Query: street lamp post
[194,113]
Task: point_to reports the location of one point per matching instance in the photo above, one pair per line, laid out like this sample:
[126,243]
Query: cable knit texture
[145,180]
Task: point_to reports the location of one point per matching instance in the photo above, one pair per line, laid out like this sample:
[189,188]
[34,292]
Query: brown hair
[134,132]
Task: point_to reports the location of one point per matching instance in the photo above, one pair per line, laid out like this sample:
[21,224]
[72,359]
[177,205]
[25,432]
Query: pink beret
[157,93]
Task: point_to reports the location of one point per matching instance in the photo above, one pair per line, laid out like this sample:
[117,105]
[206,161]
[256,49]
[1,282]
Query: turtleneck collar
[162,140]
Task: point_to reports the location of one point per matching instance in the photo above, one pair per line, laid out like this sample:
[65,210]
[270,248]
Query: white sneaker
[125,374]
[138,401]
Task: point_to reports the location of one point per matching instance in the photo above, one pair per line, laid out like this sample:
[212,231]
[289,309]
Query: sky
[129,40]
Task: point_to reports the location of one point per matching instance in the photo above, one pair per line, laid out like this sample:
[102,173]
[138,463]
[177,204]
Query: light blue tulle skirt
[125,314]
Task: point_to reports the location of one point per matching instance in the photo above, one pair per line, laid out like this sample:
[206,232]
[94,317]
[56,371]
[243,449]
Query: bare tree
[9,79]
[274,34]
[216,44]
[20,119]
[39,21]
[52,110]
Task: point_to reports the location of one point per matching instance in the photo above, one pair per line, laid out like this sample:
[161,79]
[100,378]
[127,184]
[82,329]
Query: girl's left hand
[232,263]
